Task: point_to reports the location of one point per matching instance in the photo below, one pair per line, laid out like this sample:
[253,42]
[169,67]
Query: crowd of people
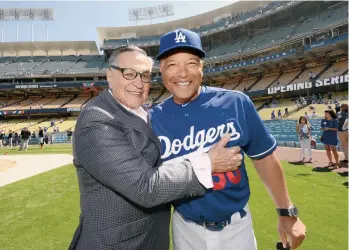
[13,139]
[334,127]
[299,103]
[318,98]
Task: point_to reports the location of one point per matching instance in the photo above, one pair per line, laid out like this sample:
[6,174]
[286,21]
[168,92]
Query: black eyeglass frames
[130,74]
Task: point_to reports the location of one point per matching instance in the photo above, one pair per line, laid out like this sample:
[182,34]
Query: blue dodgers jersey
[184,129]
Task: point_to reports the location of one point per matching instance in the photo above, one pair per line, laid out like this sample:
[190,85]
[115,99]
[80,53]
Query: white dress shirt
[200,161]
[139,111]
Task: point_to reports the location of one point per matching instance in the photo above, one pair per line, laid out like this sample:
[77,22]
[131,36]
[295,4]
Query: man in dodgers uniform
[193,119]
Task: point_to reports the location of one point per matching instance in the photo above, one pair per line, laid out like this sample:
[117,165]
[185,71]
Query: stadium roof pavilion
[187,23]
[64,48]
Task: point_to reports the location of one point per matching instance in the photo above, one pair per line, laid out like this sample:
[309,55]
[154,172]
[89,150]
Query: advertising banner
[308,85]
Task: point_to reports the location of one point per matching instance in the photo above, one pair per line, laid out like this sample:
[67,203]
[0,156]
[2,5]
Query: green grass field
[41,212]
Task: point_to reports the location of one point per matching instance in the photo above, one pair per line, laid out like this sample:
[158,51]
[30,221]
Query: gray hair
[127,48]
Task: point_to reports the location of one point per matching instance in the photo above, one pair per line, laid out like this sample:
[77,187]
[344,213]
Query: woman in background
[304,133]
[329,137]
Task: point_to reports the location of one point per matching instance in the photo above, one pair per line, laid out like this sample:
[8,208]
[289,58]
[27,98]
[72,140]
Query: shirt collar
[139,111]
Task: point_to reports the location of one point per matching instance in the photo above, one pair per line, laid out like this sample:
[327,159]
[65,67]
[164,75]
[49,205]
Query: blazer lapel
[131,120]
[149,121]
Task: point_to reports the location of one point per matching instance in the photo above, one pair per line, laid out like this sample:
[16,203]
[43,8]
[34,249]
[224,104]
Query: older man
[117,156]
[25,136]
[194,118]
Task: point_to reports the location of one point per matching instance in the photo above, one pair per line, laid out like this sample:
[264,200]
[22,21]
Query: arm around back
[102,148]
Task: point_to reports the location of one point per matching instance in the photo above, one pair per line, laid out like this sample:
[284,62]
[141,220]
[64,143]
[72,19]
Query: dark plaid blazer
[124,192]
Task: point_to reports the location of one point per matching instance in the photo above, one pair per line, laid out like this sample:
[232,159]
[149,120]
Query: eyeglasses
[130,74]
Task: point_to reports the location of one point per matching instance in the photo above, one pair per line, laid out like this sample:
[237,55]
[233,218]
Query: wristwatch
[292,211]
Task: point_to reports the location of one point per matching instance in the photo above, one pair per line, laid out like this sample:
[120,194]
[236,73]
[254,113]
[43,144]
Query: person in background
[10,138]
[46,138]
[345,125]
[51,138]
[329,126]
[279,114]
[304,134]
[273,103]
[18,138]
[273,115]
[25,134]
[15,139]
[69,134]
[41,137]
[2,136]
[329,95]
[286,111]
[343,130]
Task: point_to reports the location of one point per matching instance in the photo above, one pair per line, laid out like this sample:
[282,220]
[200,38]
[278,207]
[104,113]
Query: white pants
[305,147]
[24,145]
[238,235]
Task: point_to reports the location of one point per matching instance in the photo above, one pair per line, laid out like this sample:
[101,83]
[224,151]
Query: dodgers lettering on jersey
[197,139]
[184,129]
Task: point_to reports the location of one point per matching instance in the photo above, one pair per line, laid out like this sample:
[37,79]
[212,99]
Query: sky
[78,20]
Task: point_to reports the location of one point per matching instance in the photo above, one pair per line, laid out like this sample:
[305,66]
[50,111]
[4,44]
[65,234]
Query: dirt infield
[6,164]
[17,167]
[320,161]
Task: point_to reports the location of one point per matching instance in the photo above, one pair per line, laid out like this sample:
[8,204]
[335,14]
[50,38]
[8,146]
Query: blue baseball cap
[180,39]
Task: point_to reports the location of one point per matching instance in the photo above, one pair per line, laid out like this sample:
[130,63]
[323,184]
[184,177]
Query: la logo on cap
[180,38]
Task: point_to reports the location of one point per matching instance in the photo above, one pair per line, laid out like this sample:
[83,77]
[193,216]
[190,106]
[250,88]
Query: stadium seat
[65,125]
[265,81]
[22,104]
[318,108]
[77,102]
[58,102]
[337,69]
[304,76]
[246,83]
[5,102]
[287,77]
[230,85]
[39,104]
[265,113]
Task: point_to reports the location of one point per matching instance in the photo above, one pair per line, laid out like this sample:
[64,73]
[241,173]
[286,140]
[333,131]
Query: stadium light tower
[149,13]
[25,14]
